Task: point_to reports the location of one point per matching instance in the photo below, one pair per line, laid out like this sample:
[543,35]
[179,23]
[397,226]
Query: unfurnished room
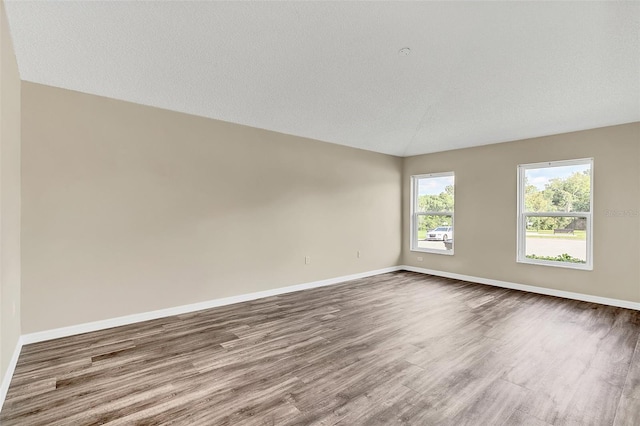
[319,213]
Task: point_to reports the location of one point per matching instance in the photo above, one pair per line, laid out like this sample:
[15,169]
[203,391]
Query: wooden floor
[399,348]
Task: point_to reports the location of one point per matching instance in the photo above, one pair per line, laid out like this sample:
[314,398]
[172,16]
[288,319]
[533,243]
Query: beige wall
[128,208]
[9,197]
[485,211]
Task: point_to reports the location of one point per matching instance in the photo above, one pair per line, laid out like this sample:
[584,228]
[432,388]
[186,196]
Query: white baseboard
[177,310]
[8,375]
[532,289]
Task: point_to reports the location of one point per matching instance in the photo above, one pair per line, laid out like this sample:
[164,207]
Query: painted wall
[9,197]
[128,208]
[485,211]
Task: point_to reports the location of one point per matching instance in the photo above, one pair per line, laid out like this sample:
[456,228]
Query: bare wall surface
[485,211]
[9,197]
[128,209]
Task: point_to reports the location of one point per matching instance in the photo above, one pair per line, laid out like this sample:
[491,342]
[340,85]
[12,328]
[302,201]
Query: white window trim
[413,245]
[522,215]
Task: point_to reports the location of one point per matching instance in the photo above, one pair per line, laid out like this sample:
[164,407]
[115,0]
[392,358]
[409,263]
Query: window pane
[435,194]
[558,189]
[435,232]
[561,239]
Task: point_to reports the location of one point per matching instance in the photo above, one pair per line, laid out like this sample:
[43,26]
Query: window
[432,213]
[555,201]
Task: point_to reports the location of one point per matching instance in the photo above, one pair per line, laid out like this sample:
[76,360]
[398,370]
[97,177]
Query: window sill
[566,265]
[432,251]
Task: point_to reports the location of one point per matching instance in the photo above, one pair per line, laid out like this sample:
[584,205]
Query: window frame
[413,245]
[522,215]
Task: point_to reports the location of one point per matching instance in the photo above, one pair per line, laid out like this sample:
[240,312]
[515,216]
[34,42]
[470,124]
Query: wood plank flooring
[399,348]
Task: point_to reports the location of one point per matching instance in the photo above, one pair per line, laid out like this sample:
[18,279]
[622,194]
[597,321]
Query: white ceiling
[478,72]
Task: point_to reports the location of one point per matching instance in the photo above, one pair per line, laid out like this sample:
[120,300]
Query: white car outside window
[441,233]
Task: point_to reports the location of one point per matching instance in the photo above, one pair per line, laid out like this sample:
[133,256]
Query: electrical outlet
[419,258]
[307,260]
[358,254]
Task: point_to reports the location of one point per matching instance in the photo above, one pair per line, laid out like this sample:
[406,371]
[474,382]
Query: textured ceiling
[478,72]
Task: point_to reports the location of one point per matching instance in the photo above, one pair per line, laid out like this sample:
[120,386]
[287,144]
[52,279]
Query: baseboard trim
[530,288]
[8,375]
[57,333]
[177,310]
